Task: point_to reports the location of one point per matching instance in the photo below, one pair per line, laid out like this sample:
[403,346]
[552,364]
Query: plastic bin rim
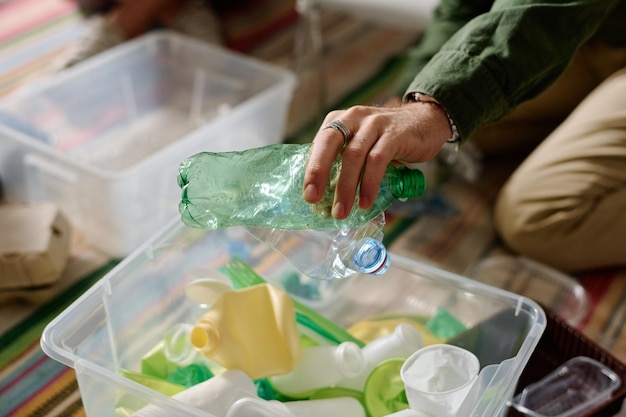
[138,389]
[57,352]
[133,44]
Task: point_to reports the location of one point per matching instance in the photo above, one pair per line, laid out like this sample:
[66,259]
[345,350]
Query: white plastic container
[103,140]
[126,314]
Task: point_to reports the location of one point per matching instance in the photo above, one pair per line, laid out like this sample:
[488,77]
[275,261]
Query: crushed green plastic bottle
[263,187]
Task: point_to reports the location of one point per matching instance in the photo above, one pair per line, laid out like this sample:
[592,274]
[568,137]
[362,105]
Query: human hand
[398,134]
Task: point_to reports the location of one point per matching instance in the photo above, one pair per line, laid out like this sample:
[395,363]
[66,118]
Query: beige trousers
[565,205]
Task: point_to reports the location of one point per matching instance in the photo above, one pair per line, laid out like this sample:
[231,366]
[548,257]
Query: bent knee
[541,230]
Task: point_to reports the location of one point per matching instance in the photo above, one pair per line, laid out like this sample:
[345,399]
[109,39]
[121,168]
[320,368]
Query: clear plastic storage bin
[104,139]
[126,314]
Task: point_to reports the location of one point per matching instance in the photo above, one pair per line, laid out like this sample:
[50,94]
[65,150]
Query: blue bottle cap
[371,257]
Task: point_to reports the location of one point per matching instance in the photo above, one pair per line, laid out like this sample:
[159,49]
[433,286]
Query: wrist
[423,98]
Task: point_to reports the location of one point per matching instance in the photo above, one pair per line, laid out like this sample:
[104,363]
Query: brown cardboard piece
[34,245]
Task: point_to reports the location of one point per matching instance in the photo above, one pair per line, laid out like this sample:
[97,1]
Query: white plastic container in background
[103,139]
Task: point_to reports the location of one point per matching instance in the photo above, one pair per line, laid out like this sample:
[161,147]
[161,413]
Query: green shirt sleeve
[481,58]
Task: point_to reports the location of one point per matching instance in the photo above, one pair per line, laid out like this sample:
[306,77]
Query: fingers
[326,146]
[376,164]
[364,161]
[408,133]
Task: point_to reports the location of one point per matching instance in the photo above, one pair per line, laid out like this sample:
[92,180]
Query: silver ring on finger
[339,126]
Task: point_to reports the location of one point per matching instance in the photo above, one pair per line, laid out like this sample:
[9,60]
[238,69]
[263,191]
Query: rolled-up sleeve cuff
[465,87]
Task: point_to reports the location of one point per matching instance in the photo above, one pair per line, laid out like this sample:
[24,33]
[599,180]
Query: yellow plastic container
[252,329]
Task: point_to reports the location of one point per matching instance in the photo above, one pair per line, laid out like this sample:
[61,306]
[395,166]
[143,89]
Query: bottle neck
[406,183]
[205,337]
[370,256]
[349,359]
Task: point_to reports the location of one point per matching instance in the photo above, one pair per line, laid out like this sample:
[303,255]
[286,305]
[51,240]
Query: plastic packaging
[262,187]
[320,367]
[125,314]
[573,389]
[177,345]
[242,276]
[560,292]
[252,329]
[371,329]
[402,343]
[437,379]
[338,392]
[215,396]
[205,290]
[331,254]
[332,407]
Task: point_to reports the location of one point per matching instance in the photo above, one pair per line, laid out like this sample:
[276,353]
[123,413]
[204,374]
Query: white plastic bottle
[214,396]
[401,343]
[331,254]
[330,407]
[320,367]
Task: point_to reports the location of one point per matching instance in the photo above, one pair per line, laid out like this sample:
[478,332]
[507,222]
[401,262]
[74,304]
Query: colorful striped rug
[31,384]
[33,32]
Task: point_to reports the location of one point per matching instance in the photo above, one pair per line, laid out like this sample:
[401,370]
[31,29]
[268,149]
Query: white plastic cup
[330,407]
[215,395]
[437,378]
[401,343]
[320,367]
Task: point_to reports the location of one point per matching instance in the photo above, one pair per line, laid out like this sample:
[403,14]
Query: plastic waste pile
[257,351]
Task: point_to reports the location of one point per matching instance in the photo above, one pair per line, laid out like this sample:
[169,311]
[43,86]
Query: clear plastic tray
[553,289]
[578,385]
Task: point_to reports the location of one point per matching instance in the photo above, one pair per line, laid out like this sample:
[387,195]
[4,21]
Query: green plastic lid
[384,389]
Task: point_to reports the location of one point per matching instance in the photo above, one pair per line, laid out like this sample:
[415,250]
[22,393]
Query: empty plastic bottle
[404,340]
[330,407]
[320,367]
[252,329]
[331,254]
[262,187]
[214,396]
